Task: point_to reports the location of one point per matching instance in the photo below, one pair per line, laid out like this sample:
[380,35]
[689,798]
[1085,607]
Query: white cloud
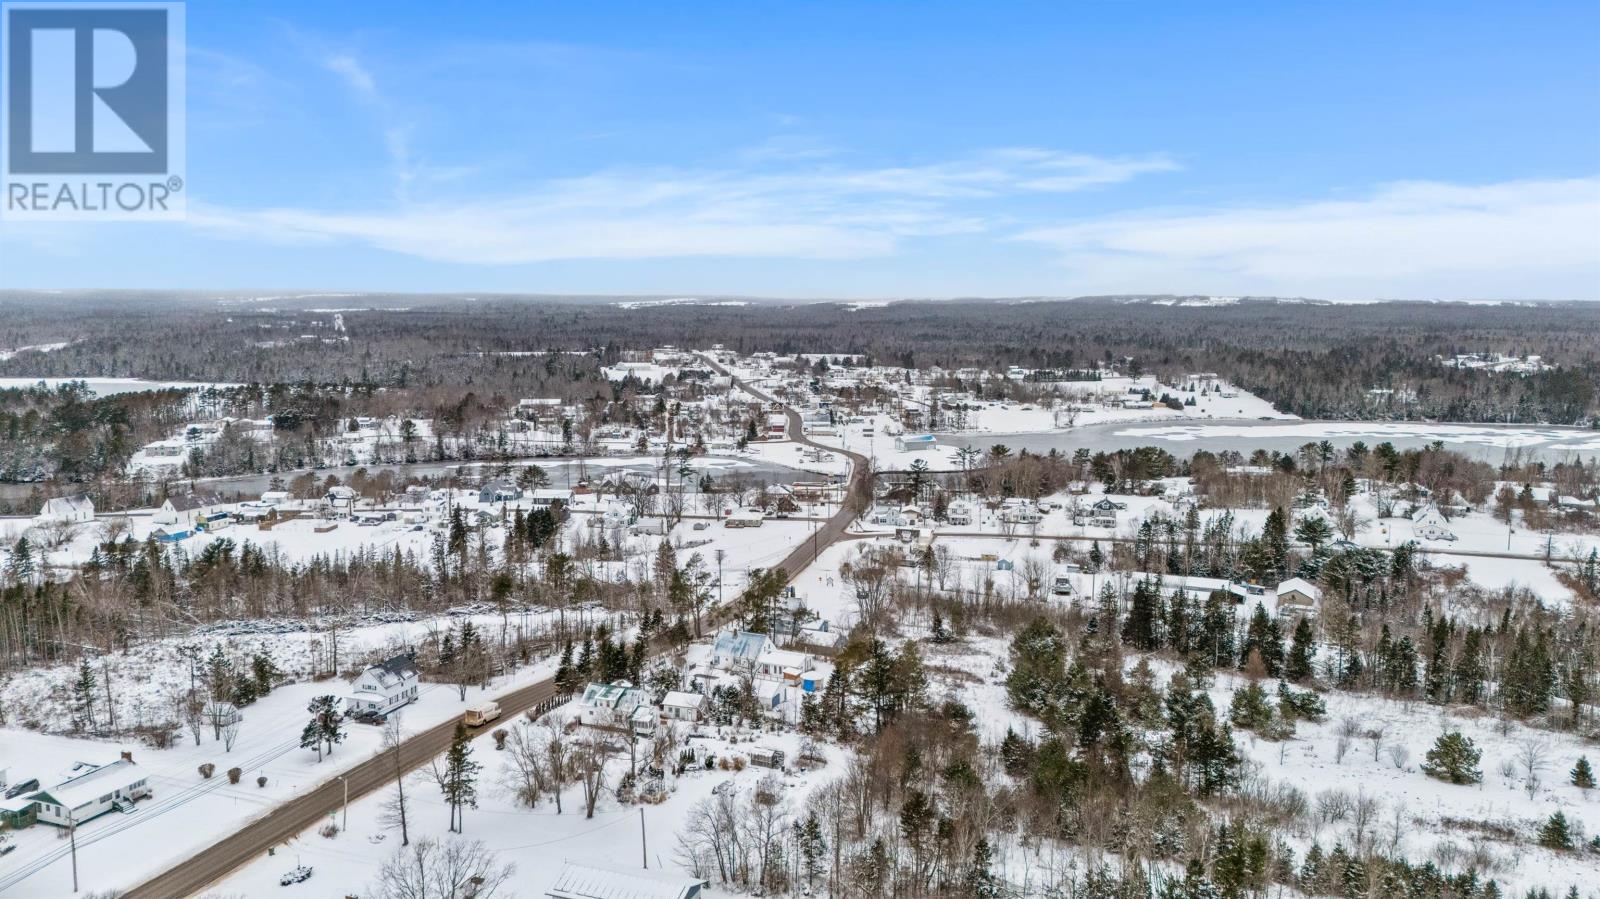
[810,213]
[1413,240]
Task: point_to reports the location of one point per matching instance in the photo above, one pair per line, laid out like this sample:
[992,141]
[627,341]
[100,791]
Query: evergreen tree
[980,881]
[1556,833]
[1263,636]
[83,693]
[459,781]
[1582,775]
[1453,758]
[1301,665]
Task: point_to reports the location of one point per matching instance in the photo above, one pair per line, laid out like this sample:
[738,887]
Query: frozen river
[1490,442]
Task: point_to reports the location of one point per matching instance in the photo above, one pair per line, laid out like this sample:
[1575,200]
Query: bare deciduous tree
[431,869]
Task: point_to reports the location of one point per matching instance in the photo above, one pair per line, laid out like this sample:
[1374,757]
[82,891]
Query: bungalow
[1106,504]
[680,705]
[91,790]
[610,705]
[745,518]
[66,510]
[603,882]
[384,687]
[1429,524]
[906,443]
[545,498]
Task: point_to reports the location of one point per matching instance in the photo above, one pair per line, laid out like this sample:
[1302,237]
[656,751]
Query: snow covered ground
[536,840]
[187,812]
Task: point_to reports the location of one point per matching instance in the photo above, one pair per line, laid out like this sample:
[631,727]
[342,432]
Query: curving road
[211,864]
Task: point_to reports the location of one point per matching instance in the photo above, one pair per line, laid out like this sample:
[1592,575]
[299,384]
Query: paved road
[247,844]
[858,488]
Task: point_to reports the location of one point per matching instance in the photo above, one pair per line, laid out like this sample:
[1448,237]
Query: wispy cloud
[815,212]
[1413,239]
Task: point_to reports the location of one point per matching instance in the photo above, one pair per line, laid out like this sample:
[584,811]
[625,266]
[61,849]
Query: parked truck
[482,713]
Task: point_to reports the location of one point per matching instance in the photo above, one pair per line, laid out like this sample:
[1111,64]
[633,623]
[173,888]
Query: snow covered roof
[96,781]
[67,505]
[1300,585]
[742,645]
[188,502]
[682,699]
[587,881]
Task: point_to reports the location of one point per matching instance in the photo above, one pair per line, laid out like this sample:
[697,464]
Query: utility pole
[345,823]
[72,834]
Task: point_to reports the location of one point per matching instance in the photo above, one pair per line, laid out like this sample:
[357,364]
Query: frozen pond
[1490,442]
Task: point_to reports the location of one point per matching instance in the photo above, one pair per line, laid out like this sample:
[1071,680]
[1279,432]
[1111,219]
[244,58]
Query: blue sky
[1339,150]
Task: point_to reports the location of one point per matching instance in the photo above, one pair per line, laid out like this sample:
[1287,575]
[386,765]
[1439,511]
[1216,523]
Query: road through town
[193,874]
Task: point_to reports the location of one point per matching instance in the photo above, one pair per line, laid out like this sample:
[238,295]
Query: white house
[91,790]
[681,705]
[588,881]
[384,687]
[739,651]
[1429,524]
[610,705]
[187,509]
[959,513]
[66,509]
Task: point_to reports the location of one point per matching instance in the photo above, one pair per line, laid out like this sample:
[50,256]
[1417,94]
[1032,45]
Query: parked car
[368,716]
[300,874]
[27,786]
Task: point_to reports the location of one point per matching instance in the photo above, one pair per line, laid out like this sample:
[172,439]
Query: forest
[1317,360]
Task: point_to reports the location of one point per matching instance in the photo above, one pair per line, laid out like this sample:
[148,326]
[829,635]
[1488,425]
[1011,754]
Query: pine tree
[1556,833]
[1582,775]
[980,881]
[812,848]
[1453,758]
[1263,636]
[459,782]
[1302,653]
[83,693]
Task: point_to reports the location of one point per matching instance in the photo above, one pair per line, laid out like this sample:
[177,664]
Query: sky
[1343,150]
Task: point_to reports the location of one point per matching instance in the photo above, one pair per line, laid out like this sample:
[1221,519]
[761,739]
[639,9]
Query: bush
[1453,758]
[262,781]
[207,770]
[500,736]
[234,774]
